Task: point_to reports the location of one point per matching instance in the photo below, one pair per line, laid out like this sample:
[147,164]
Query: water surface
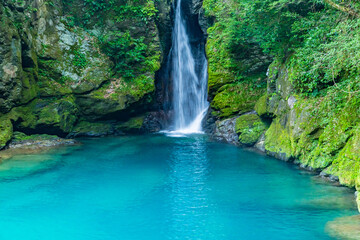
[157,187]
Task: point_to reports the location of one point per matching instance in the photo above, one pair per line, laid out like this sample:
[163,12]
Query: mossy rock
[20,137]
[347,164]
[261,106]
[133,125]
[245,121]
[54,116]
[116,96]
[6,131]
[347,228]
[335,139]
[29,88]
[92,129]
[217,80]
[278,141]
[250,128]
[236,98]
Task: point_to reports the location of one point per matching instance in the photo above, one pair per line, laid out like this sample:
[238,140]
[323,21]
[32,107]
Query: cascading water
[189,80]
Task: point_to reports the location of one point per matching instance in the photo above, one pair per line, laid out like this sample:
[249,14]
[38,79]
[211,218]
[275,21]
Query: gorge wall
[76,68]
[303,107]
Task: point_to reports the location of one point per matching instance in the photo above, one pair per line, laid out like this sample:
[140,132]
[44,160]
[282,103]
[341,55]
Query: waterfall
[189,80]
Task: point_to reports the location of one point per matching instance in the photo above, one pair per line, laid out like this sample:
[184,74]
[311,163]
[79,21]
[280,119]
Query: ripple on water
[157,187]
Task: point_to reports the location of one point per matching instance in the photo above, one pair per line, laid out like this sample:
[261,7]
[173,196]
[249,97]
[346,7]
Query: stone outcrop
[319,130]
[54,74]
[225,131]
[320,134]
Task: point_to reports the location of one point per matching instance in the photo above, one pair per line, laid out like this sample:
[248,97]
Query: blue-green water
[158,187]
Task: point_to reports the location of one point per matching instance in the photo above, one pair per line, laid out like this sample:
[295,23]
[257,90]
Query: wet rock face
[225,131]
[310,130]
[247,130]
[195,14]
[154,122]
[54,74]
[10,61]
[193,11]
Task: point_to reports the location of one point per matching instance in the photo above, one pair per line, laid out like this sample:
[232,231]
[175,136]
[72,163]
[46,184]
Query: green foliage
[132,52]
[267,22]
[320,39]
[329,53]
[87,12]
[79,59]
[230,48]
[130,55]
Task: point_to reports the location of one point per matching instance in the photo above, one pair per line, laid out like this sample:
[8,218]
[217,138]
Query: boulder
[249,127]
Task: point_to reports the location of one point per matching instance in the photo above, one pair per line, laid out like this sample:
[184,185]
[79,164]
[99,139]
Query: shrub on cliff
[320,37]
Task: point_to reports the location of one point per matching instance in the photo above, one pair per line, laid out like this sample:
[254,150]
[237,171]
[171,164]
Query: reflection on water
[160,188]
[189,169]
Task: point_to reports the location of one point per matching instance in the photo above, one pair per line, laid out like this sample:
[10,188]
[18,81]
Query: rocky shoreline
[24,144]
[223,131]
[343,228]
[226,131]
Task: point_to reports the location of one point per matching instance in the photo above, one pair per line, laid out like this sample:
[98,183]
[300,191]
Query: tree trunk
[342,8]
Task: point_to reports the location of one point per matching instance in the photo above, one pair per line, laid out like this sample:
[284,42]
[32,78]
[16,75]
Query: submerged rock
[23,141]
[345,228]
[29,144]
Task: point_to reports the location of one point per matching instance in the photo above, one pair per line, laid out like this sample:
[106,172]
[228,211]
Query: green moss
[347,164]
[250,128]
[20,137]
[97,129]
[236,98]
[261,106]
[217,80]
[29,88]
[279,141]
[55,113]
[326,129]
[245,121]
[132,125]
[274,70]
[119,89]
[6,131]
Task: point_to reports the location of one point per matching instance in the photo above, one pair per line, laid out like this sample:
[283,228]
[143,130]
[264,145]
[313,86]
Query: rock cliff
[79,67]
[280,95]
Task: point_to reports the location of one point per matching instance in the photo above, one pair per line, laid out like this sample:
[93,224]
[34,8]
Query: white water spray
[190,87]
